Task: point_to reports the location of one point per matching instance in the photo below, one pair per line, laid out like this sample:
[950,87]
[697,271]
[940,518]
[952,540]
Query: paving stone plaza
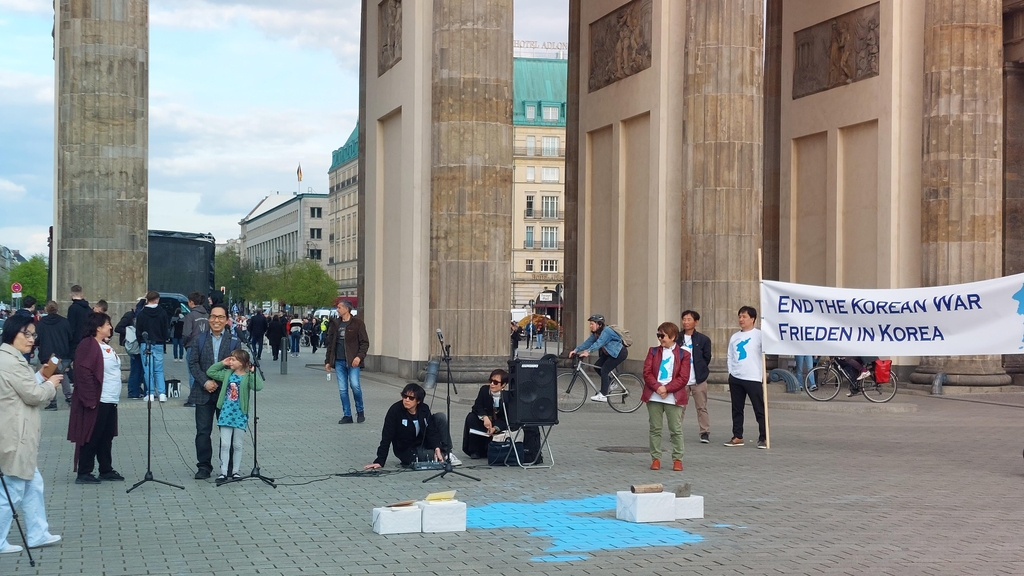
[922,485]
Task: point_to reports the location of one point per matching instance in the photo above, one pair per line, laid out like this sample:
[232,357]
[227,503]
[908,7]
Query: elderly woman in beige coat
[22,394]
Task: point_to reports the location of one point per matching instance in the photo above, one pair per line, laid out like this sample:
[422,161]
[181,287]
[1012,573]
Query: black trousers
[205,414]
[100,444]
[739,390]
[606,363]
[275,346]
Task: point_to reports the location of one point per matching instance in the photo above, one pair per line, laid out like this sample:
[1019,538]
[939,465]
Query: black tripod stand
[255,473]
[446,355]
[149,421]
[14,515]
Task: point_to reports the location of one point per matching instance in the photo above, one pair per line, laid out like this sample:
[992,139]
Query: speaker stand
[545,433]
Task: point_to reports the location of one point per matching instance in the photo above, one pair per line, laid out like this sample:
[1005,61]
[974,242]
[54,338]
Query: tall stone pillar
[471,177]
[962,201]
[724,94]
[100,234]
[772,138]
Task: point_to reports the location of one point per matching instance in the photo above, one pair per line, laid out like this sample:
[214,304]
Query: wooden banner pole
[764,359]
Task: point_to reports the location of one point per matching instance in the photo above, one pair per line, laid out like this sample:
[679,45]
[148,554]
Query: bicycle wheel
[624,395]
[827,383]
[879,392]
[572,391]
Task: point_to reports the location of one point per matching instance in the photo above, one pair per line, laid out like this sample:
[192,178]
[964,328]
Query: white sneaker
[455,460]
[10,549]
[598,398]
[50,540]
[863,375]
[163,397]
[150,398]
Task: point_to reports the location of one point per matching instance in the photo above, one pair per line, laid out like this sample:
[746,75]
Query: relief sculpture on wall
[836,52]
[620,44]
[389,33]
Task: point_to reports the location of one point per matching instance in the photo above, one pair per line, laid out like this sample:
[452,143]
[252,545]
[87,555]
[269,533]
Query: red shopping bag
[883,369]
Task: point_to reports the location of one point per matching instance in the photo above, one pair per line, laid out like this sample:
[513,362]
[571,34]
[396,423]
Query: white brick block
[449,516]
[404,520]
[656,507]
[689,508]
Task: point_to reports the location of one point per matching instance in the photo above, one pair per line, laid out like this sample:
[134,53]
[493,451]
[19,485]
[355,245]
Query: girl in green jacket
[237,376]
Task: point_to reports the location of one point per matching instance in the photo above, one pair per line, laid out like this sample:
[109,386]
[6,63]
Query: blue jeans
[179,348]
[135,376]
[804,365]
[295,342]
[154,375]
[348,375]
[29,494]
[540,340]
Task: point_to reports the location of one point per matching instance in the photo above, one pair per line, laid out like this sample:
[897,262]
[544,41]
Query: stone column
[772,137]
[962,166]
[724,94]
[471,178]
[570,302]
[101,238]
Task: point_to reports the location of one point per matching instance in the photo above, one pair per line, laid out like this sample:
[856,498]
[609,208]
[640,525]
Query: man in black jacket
[78,311]
[699,347]
[152,326]
[53,337]
[208,348]
[275,332]
[135,374]
[257,330]
[413,431]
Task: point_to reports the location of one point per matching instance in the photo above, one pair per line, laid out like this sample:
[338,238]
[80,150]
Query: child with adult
[666,372]
[238,377]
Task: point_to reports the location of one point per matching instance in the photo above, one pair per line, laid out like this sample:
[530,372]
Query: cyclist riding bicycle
[611,352]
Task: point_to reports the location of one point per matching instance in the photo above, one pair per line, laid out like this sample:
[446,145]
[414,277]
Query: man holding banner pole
[746,376]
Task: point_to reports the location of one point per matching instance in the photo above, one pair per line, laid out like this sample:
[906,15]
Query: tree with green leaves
[31,274]
[306,283]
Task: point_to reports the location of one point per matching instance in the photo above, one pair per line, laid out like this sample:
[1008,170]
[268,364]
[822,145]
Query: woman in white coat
[22,396]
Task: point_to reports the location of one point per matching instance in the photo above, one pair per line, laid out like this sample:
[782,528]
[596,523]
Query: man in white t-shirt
[746,374]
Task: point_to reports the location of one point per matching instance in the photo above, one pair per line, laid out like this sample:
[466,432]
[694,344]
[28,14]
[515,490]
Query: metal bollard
[937,383]
[285,351]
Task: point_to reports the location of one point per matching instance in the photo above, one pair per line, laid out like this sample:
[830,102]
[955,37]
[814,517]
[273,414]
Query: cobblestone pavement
[936,491]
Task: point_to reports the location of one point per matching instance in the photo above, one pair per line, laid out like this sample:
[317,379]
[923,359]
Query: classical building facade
[283,229]
[538,199]
[343,212]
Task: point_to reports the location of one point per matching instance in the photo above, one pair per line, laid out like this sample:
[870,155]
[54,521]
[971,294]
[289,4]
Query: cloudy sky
[241,92]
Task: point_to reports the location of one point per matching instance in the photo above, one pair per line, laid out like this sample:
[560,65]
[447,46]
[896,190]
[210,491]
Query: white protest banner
[984,317]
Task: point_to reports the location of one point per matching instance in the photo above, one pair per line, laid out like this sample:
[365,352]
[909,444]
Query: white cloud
[29,240]
[179,211]
[30,6]
[323,24]
[10,191]
[22,88]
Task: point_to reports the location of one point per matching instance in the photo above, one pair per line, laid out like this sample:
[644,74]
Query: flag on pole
[299,172]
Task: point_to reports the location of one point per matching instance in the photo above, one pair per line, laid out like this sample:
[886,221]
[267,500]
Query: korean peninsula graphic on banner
[984,317]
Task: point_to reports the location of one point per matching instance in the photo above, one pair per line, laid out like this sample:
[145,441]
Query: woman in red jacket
[92,424]
[666,372]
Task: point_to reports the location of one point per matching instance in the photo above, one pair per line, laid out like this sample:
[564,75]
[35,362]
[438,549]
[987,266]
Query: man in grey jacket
[208,348]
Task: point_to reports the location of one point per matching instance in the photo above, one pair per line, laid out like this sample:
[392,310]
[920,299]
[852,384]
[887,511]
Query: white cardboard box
[689,508]
[447,516]
[655,507]
[404,520]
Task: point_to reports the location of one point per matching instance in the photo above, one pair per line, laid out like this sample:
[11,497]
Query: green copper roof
[348,152]
[538,82]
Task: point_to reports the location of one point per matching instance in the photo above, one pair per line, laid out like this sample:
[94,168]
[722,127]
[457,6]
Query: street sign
[545,297]
[16,287]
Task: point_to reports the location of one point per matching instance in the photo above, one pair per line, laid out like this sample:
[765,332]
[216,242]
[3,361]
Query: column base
[465,370]
[963,371]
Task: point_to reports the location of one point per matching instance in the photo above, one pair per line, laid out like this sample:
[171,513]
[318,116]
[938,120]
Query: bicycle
[828,379]
[624,390]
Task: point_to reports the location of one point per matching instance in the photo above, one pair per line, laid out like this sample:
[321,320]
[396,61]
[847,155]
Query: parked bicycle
[828,378]
[624,390]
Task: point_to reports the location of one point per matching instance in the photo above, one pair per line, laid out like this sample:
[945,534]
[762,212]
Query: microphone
[439,335]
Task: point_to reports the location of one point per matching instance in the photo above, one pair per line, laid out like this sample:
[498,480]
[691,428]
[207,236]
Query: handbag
[883,371]
[500,453]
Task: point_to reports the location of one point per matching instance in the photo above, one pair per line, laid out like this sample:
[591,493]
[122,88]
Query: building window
[531,112]
[529,264]
[549,236]
[551,113]
[315,253]
[529,237]
[549,265]
[316,233]
[549,174]
[550,146]
[529,205]
[531,174]
[316,212]
[550,204]
[531,145]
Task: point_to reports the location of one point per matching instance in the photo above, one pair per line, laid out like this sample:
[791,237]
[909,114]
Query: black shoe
[202,474]
[68,400]
[345,420]
[221,479]
[87,479]
[190,405]
[51,406]
[112,476]
[704,438]
[360,418]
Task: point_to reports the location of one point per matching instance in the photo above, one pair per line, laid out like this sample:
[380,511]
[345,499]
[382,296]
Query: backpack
[131,340]
[624,335]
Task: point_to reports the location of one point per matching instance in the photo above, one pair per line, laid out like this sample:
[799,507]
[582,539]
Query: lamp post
[558,322]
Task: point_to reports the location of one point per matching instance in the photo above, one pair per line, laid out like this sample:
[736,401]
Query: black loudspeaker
[532,397]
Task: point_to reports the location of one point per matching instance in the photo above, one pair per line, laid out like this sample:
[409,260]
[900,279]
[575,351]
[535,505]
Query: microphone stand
[14,515]
[446,355]
[149,421]
[255,473]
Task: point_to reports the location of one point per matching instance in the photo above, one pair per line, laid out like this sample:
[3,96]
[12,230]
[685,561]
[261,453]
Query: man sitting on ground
[413,432]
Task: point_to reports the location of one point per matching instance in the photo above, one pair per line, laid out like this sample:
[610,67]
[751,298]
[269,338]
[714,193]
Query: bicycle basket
[883,371]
